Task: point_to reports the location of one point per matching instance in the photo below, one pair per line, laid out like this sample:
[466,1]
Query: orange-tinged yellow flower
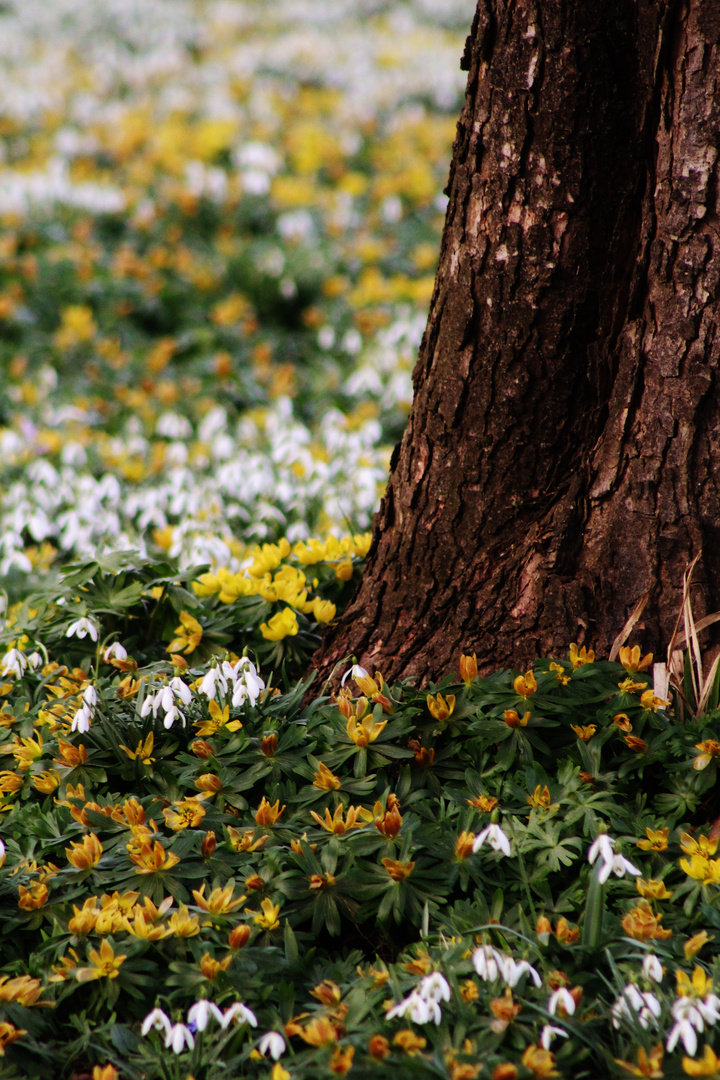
[319,1031]
[378,1047]
[397,870]
[239,936]
[441,708]
[182,924]
[469,991]
[505,1071]
[657,840]
[484,803]
[184,815]
[245,841]
[10,782]
[375,690]
[33,898]
[710,748]
[267,919]
[8,1034]
[565,933]
[143,750]
[464,845]
[341,1060]
[699,986]
[25,751]
[468,668]
[388,820]
[46,781]
[540,798]
[144,928]
[525,685]
[23,989]
[694,944]
[651,703]
[70,756]
[283,624]
[514,720]
[104,964]
[636,744]
[219,721]
[628,686]
[188,635]
[87,854]
[702,845]
[622,720]
[408,1041]
[643,925]
[322,882]
[268,814]
[504,1010]
[220,901]
[543,927]
[584,733]
[279,1073]
[560,674]
[584,656]
[105,1072]
[85,918]
[208,782]
[211,967]
[647,1064]
[338,824]
[701,869]
[152,858]
[364,732]
[325,779]
[652,889]
[707,1065]
[630,659]
[541,1063]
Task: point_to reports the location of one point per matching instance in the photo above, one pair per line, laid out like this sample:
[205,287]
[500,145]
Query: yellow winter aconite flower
[85,855]
[211,967]
[584,733]
[584,656]
[104,964]
[631,661]
[77,326]
[364,732]
[25,751]
[440,707]
[283,624]
[652,889]
[182,924]
[648,1064]
[701,845]
[540,798]
[709,749]
[23,989]
[46,781]
[397,870]
[657,840]
[642,924]
[267,919]
[707,1065]
[337,823]
[188,635]
[325,779]
[143,750]
[699,986]
[651,703]
[541,1063]
[9,1034]
[219,720]
[525,685]
[694,944]
[707,871]
[560,674]
[268,557]
[484,803]
[10,782]
[152,857]
[219,902]
[184,815]
[267,814]
[33,898]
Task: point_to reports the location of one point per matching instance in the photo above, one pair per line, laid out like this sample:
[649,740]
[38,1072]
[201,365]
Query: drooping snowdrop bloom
[178,1037]
[81,720]
[561,998]
[549,1033]
[248,684]
[158,1020]
[13,663]
[181,690]
[354,671]
[633,1005]
[90,696]
[652,968]
[495,837]
[602,846]
[512,970]
[488,962]
[199,1014]
[213,681]
[434,987]
[164,699]
[35,660]
[272,1043]
[240,1013]
[618,866]
[81,628]
[416,1008]
[116,651]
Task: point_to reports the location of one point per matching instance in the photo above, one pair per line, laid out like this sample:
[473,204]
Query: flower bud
[201,749]
[208,845]
[269,744]
[239,936]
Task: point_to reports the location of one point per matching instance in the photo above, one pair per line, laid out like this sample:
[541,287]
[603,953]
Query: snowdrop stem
[594,910]
[341,663]
[525,882]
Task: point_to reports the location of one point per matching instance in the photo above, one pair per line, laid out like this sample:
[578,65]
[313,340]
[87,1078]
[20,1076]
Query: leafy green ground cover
[220,225]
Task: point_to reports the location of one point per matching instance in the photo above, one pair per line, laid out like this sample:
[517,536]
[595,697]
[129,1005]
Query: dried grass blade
[627,628]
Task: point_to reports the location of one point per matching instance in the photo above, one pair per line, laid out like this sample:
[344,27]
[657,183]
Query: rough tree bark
[563,452]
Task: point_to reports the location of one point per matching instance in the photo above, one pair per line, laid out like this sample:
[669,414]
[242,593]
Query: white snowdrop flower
[618,866]
[213,681]
[178,1037]
[148,706]
[354,671]
[512,971]
[602,846]
[710,1009]
[156,1019]
[272,1043]
[172,714]
[199,1014]
[164,700]
[81,720]
[495,837]
[561,997]
[90,696]
[116,651]
[488,962]
[81,628]
[35,660]
[633,1005]
[240,1013]
[181,690]
[652,968]
[549,1033]
[419,1010]
[434,987]
[13,663]
[682,1030]
[2,853]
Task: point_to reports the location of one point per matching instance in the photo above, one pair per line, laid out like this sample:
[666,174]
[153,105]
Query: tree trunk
[562,456]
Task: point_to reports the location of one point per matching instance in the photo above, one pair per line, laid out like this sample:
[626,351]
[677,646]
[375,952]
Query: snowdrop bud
[167,699]
[90,696]
[652,968]
[3,854]
[272,1043]
[434,987]
[35,661]
[81,720]
[148,705]
[182,690]
[602,846]
[13,663]
[171,716]
[207,685]
[353,672]
[561,998]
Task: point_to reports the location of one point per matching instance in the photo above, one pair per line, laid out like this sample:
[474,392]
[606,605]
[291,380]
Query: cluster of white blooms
[602,848]
[691,1015]
[634,1004]
[13,663]
[166,699]
[178,1036]
[85,714]
[242,676]
[423,1004]
[491,964]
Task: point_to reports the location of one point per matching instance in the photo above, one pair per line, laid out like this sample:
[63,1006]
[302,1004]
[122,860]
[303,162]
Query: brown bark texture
[562,456]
